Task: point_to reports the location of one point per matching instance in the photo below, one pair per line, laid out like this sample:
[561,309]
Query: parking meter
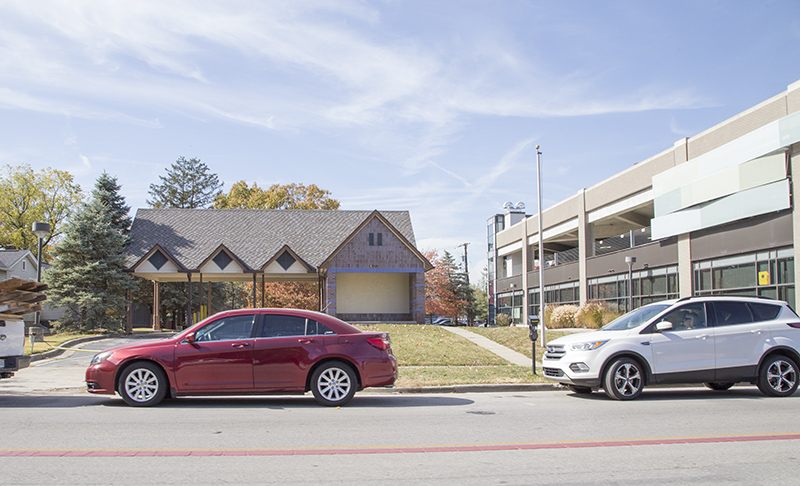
[533,333]
[533,327]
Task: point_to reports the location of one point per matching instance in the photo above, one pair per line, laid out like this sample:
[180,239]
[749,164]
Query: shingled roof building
[366,262]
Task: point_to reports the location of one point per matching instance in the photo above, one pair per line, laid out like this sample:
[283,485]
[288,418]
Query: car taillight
[380,343]
[795,325]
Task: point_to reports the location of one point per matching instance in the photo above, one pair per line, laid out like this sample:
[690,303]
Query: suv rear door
[741,336]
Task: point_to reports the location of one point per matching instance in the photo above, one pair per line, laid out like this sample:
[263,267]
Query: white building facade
[713,214]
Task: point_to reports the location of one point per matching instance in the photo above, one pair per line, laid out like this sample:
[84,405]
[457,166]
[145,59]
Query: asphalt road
[668,436]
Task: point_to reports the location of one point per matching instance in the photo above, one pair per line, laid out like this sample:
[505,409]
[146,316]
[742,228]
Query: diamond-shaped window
[286,260]
[222,260]
[157,259]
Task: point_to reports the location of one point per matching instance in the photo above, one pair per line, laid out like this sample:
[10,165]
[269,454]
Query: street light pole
[541,245]
[40,230]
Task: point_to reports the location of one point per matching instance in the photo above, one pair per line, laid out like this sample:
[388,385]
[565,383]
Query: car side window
[314,328]
[227,329]
[765,312]
[731,312]
[283,326]
[287,326]
[690,316]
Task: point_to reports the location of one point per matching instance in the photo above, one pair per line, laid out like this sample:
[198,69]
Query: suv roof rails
[725,296]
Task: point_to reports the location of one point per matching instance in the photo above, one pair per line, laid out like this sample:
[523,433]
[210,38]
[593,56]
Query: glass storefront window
[734,276]
[769,274]
[649,285]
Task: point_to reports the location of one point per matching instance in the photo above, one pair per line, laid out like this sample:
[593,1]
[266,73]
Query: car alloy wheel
[778,377]
[333,384]
[623,380]
[142,384]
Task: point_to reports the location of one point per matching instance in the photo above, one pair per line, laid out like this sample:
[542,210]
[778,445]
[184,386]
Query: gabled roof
[377,215]
[9,258]
[255,236]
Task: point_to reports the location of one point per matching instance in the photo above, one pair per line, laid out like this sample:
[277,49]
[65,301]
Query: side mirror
[664,326]
[190,339]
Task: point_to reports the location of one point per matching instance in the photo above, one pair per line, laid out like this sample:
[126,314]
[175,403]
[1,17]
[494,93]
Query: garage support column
[585,246]
[685,287]
[794,167]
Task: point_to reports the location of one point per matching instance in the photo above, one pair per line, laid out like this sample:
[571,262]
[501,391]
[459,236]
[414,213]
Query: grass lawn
[516,338]
[432,356]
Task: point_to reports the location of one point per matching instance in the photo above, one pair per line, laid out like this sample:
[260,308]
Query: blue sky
[430,106]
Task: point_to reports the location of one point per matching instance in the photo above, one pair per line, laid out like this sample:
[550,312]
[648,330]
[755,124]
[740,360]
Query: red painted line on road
[518,446]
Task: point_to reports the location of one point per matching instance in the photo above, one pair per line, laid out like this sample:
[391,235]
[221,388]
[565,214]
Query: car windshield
[635,317]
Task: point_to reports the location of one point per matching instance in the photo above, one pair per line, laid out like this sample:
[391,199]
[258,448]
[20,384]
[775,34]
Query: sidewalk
[498,349]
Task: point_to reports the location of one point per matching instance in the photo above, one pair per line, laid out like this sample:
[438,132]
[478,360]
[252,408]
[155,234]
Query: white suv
[715,340]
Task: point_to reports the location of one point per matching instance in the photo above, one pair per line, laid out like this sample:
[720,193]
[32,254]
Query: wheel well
[788,352]
[122,368]
[636,357]
[328,360]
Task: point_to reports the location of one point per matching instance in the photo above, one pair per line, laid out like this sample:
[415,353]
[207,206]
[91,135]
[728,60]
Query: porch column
[156,307]
[189,319]
[255,282]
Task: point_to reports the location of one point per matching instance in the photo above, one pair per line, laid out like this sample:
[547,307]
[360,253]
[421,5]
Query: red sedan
[249,352]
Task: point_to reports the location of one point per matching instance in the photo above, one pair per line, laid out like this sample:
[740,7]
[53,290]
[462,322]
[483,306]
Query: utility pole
[466,264]
[466,274]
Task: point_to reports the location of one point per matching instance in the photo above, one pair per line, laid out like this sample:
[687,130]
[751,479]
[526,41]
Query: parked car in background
[249,352]
[716,340]
[442,321]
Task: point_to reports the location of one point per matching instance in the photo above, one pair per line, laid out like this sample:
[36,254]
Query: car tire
[716,386]
[334,384]
[580,390]
[778,376]
[624,379]
[142,384]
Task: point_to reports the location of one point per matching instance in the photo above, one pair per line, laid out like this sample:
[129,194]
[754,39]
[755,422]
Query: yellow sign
[763,278]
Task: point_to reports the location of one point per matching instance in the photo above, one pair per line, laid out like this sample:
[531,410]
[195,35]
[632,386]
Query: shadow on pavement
[284,402]
[50,401]
[662,394]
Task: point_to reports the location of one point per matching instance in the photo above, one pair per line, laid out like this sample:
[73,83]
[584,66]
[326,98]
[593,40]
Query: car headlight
[100,357]
[587,346]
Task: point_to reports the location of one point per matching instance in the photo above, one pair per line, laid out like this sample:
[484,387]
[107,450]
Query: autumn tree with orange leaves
[446,291]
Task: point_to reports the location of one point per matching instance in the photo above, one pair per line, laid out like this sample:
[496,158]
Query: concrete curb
[509,387]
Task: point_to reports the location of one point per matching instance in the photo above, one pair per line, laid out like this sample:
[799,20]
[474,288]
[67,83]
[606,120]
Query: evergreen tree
[189,184]
[88,276]
[106,189]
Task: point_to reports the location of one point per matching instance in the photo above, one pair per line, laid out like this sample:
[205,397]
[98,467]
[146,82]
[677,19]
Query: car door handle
[240,345]
[703,336]
[756,331]
[307,341]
